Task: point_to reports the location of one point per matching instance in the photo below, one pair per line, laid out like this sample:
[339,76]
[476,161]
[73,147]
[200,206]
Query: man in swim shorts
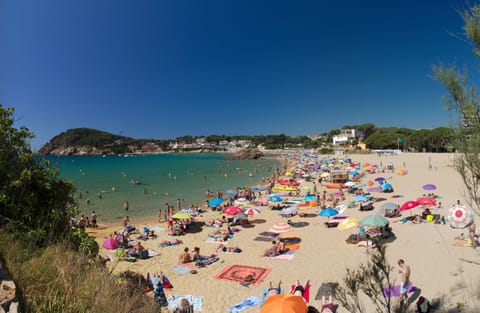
[405,271]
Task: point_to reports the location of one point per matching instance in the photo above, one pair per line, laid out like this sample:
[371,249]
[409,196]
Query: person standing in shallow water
[126,205]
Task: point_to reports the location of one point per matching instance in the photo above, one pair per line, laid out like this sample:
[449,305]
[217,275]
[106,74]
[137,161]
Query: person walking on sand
[405,272]
[472,230]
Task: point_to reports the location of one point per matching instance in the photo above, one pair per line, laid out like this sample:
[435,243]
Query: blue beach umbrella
[259,189]
[328,212]
[379,179]
[386,186]
[215,202]
[275,198]
[309,198]
[360,198]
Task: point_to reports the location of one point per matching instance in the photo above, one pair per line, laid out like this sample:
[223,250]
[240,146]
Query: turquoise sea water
[166,177]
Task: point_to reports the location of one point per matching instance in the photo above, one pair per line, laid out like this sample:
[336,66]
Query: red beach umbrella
[409,205]
[232,210]
[426,201]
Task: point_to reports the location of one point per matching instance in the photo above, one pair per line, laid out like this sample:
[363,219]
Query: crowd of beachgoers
[252,235]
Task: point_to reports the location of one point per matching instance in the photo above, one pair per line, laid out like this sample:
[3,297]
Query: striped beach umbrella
[280,228]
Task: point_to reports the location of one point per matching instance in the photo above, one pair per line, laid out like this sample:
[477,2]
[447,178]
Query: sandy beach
[438,266]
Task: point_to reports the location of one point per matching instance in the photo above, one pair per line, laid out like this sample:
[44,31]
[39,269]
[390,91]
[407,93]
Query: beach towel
[268,233]
[238,273]
[285,256]
[181,269]
[152,253]
[206,260]
[260,238]
[306,291]
[174,301]
[394,291]
[244,304]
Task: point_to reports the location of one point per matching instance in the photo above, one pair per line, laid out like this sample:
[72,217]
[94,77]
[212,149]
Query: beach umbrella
[379,179]
[459,216]
[389,206]
[426,201]
[232,210]
[252,211]
[325,175]
[275,198]
[308,198]
[215,202]
[241,201]
[110,244]
[349,183]
[280,228]
[360,198]
[374,221]
[284,303]
[328,212]
[348,223]
[181,216]
[386,186]
[291,210]
[429,187]
[408,205]
[259,189]
[374,189]
[240,216]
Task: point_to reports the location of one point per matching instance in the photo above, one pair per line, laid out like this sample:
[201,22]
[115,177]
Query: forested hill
[86,141]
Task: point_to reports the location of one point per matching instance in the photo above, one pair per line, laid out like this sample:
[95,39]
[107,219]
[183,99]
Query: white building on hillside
[346,136]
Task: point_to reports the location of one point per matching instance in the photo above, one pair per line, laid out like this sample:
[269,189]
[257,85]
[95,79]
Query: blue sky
[168,68]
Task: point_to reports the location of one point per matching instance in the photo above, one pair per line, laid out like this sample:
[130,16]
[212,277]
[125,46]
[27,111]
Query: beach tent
[110,244]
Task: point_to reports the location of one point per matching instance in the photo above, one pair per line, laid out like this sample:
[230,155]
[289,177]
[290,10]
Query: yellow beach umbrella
[349,222]
[181,216]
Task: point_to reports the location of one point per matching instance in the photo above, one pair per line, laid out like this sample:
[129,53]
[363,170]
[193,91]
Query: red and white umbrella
[252,211]
[459,216]
[280,228]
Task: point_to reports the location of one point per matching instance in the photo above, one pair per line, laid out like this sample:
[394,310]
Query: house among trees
[346,136]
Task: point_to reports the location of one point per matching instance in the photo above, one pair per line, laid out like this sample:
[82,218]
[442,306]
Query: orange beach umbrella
[284,303]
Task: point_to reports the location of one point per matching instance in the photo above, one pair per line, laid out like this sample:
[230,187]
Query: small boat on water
[135,181]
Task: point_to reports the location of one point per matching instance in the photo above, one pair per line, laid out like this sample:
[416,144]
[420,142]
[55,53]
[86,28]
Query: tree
[462,99]
[369,279]
[36,204]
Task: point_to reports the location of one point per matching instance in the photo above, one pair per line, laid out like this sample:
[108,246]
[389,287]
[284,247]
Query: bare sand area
[438,266]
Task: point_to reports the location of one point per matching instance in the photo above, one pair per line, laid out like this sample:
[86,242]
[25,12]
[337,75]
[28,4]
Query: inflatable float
[287,182]
[284,188]
[336,186]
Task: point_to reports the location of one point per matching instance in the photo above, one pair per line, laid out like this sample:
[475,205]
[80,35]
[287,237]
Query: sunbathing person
[272,251]
[170,242]
[185,257]
[299,290]
[273,291]
[367,207]
[328,307]
[196,254]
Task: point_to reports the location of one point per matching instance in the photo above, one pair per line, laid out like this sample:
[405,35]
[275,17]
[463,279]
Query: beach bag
[423,305]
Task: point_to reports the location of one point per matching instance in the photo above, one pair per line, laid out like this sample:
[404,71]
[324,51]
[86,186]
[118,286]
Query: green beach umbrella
[374,221]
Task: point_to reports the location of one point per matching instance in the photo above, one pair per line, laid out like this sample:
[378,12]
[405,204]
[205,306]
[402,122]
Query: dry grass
[58,279]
